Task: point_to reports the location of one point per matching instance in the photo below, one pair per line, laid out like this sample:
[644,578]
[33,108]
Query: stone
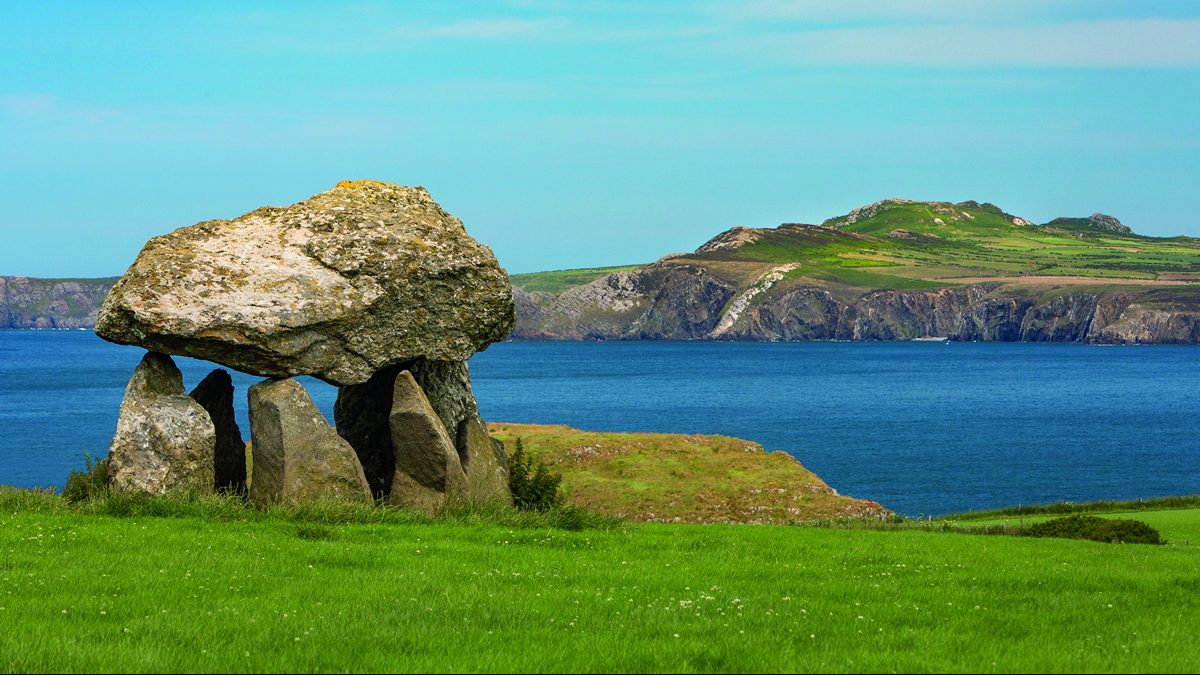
[341,285]
[485,464]
[215,395]
[298,457]
[362,416]
[164,439]
[428,469]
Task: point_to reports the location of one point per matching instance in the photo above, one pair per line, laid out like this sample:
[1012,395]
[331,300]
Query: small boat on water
[931,339]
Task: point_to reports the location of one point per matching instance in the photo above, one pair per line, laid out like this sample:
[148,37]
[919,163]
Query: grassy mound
[682,478]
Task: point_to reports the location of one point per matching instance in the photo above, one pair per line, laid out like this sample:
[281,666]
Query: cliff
[51,303]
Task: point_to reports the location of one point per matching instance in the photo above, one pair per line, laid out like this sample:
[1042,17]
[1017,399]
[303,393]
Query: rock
[340,285]
[361,417]
[1096,221]
[1110,223]
[298,457]
[428,467]
[164,439]
[51,303]
[215,395]
[1139,324]
[485,464]
[362,414]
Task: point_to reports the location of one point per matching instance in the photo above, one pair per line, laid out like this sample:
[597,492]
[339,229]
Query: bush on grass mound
[1095,528]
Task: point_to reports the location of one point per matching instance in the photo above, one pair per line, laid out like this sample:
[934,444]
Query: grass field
[218,588]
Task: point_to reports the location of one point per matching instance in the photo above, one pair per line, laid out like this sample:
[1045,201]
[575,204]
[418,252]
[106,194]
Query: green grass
[197,592]
[935,254]
[560,280]
[1064,508]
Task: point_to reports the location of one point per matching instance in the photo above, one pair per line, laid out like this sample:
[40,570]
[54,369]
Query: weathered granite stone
[215,395]
[428,468]
[447,385]
[340,285]
[164,439]
[297,456]
[484,462]
[362,414]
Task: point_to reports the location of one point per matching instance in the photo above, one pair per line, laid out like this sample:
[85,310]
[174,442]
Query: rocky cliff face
[51,303]
[685,302]
[690,304]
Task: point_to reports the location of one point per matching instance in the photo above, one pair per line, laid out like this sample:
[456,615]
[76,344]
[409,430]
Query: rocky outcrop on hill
[51,303]
[868,211]
[1097,221]
[369,286]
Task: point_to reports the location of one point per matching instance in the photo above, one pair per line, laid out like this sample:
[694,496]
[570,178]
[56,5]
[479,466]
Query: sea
[925,428]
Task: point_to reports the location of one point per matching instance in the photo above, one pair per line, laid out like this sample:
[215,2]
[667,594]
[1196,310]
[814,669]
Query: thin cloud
[874,10]
[1117,43]
[485,29]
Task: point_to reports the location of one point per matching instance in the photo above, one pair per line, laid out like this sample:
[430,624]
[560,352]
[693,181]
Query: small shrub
[1095,528]
[88,484]
[534,488]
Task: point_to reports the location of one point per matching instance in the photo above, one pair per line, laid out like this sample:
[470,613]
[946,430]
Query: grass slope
[681,478]
[925,245]
[560,280]
[103,593]
[941,243]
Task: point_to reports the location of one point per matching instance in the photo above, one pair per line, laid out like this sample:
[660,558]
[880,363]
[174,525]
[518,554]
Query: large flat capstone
[339,286]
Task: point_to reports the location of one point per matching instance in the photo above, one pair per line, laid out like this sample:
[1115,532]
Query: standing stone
[485,463]
[361,416]
[297,455]
[447,384]
[215,395]
[164,440]
[428,469]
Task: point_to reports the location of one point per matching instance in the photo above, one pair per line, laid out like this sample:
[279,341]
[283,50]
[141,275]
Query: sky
[589,133]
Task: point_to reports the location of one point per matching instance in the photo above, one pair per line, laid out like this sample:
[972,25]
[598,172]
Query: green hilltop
[903,244]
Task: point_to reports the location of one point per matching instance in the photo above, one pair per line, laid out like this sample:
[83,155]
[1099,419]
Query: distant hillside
[51,303]
[560,280]
[895,269]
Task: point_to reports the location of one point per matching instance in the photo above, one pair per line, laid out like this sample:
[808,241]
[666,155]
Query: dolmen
[371,287]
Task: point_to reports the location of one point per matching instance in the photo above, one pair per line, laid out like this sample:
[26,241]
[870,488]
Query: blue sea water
[924,428]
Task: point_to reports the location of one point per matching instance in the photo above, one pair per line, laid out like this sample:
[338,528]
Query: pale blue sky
[569,134]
